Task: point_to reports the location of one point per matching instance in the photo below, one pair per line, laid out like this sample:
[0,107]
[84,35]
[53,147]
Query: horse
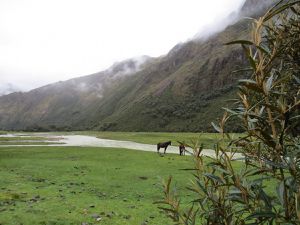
[163,145]
[181,149]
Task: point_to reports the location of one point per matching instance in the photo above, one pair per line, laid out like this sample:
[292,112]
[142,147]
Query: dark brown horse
[163,145]
[181,149]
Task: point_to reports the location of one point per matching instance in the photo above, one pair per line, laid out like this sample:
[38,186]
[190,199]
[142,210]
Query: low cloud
[127,67]
[247,8]
[7,88]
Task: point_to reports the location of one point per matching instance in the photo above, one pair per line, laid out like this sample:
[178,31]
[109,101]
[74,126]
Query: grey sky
[43,41]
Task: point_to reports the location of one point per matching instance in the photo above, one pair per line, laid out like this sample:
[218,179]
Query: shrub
[266,190]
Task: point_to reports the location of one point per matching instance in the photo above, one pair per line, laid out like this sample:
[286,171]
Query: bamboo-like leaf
[243,70]
[298,205]
[216,127]
[260,215]
[202,187]
[249,56]
[247,81]
[273,108]
[257,172]
[222,170]
[261,110]
[296,79]
[295,11]
[265,198]
[275,165]
[295,117]
[268,139]
[250,84]
[263,49]
[235,191]
[280,192]
[242,42]
[279,10]
[167,209]
[214,178]
[230,111]
[269,83]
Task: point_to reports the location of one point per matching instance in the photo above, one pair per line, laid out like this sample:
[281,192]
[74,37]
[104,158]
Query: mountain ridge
[180,91]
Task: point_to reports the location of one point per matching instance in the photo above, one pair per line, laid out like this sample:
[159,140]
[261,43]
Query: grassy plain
[80,185]
[75,185]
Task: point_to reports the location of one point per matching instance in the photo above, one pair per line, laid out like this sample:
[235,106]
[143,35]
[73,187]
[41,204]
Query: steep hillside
[64,105]
[181,91]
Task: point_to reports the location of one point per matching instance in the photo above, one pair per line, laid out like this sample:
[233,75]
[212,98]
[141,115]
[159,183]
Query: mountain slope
[181,91]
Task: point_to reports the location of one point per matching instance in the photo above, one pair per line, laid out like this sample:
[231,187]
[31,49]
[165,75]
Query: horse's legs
[165,150]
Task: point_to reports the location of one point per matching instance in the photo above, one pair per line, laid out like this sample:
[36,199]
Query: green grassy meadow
[75,185]
[156,137]
[90,185]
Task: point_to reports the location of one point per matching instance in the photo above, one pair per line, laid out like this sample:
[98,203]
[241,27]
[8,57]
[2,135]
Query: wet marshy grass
[28,139]
[75,185]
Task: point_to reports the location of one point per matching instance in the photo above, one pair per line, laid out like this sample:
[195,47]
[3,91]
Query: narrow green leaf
[213,177]
[242,70]
[280,192]
[295,11]
[279,10]
[243,42]
[250,58]
[230,111]
[250,84]
[247,81]
[168,210]
[264,49]
[296,79]
[255,215]
[202,187]
[217,128]
[269,83]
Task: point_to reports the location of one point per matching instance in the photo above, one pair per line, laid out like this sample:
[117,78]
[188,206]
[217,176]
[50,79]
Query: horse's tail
[158,147]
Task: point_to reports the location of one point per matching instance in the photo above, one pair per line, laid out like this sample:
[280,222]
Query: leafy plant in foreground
[266,189]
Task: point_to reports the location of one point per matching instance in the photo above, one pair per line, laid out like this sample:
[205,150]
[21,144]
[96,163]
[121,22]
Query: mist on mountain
[178,91]
[7,88]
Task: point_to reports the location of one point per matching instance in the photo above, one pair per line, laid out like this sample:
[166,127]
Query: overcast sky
[44,41]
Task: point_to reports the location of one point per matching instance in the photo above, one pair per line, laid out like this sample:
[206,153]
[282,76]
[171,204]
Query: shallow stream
[90,141]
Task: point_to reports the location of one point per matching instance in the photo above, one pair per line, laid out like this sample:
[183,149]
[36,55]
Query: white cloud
[44,41]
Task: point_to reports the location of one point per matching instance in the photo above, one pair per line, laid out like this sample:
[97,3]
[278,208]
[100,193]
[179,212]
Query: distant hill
[181,91]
